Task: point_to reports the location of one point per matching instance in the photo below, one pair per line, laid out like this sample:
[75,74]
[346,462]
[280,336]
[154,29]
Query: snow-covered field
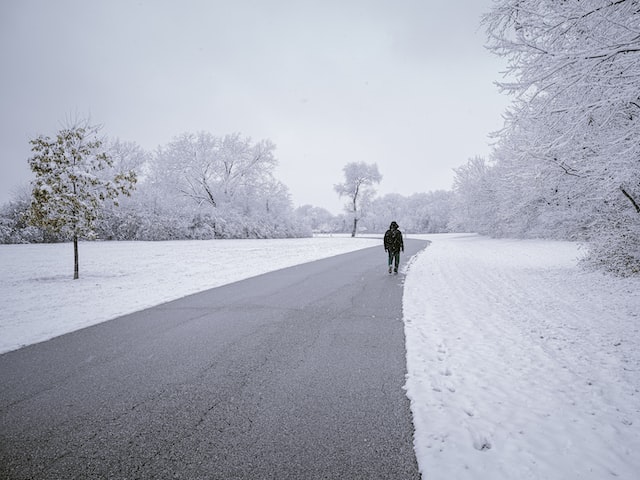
[520,365]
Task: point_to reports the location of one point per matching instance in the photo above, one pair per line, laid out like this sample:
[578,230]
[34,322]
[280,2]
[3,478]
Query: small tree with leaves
[68,192]
[359,178]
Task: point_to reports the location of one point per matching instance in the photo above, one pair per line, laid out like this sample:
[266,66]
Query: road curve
[295,374]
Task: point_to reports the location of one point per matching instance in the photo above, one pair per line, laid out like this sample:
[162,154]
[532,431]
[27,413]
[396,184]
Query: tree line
[197,186]
[567,162]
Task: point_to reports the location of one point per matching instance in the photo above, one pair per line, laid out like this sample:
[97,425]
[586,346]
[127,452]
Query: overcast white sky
[406,84]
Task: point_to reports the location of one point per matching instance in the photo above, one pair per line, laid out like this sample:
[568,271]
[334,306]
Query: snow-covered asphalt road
[294,374]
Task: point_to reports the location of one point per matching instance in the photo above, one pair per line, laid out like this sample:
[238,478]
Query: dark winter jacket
[393,240]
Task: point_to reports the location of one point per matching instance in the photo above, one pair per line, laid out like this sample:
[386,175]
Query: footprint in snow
[481,443]
[469,411]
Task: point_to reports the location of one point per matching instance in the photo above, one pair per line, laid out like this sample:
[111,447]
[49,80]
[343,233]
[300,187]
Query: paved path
[296,374]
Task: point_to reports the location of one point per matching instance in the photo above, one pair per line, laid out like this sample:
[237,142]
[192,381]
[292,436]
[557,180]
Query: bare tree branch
[633,202]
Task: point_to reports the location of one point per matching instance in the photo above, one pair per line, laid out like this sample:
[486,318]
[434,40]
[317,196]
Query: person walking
[393,244]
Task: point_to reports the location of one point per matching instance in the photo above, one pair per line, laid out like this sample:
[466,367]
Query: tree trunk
[75,258]
[355,227]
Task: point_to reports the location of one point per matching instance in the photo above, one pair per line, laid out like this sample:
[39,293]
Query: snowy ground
[520,365]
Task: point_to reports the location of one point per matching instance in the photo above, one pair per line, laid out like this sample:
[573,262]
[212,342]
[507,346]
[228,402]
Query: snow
[520,365]
[40,300]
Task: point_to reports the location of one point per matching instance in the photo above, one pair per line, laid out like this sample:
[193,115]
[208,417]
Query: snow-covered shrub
[615,246]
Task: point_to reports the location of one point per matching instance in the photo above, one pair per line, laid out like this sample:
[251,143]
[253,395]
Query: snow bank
[520,365]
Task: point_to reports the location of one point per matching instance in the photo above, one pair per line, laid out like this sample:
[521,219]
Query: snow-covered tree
[431,211]
[359,177]
[121,222]
[384,210]
[574,71]
[68,190]
[225,183]
[13,220]
[318,219]
[215,170]
[475,198]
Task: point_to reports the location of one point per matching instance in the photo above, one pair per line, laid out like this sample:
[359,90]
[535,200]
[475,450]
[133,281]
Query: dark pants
[394,256]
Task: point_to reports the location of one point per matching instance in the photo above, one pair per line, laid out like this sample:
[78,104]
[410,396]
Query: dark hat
[393,225]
